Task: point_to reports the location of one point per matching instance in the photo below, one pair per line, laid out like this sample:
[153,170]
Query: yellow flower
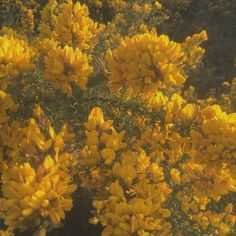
[175,175]
[108,230]
[6,105]
[74,27]
[45,45]
[137,8]
[158,5]
[213,143]
[48,19]
[144,62]
[27,19]
[37,110]
[226,84]
[65,66]
[203,35]
[96,118]
[145,29]
[113,140]
[108,155]
[116,190]
[147,8]
[124,214]
[157,101]
[15,57]
[188,112]
[6,233]
[102,144]
[134,201]
[173,106]
[33,196]
[118,5]
[89,156]
[192,49]
[34,134]
[92,138]
[97,3]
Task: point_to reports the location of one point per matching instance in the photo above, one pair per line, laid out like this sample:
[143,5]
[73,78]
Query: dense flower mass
[33,197]
[36,186]
[66,65]
[131,204]
[146,63]
[15,57]
[215,142]
[131,150]
[74,27]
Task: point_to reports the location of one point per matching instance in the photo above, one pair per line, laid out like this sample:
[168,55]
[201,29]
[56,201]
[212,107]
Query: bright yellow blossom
[15,57]
[145,62]
[96,118]
[32,197]
[45,45]
[74,26]
[175,175]
[65,66]
[215,141]
[192,49]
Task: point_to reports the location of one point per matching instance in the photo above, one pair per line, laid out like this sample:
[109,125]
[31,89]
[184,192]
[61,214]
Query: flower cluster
[48,19]
[201,188]
[103,141]
[214,143]
[74,27]
[69,24]
[146,63]
[131,189]
[15,57]
[66,65]
[147,155]
[31,197]
[192,49]
[27,20]
[203,157]
[146,8]
[36,175]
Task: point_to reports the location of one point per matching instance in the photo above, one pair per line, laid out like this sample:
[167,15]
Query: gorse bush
[99,133]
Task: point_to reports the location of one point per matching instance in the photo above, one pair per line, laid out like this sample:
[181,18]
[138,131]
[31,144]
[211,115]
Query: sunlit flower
[15,57]
[145,62]
[74,26]
[33,196]
[65,66]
